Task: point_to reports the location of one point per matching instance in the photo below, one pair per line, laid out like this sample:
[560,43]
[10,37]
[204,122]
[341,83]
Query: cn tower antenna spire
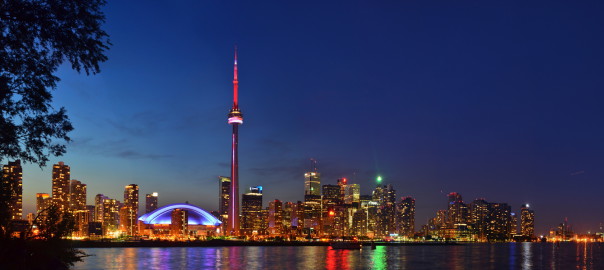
[235,84]
[235,119]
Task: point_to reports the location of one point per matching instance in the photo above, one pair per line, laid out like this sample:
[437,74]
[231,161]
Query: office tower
[312,181]
[275,217]
[312,199]
[224,185]
[111,209]
[251,211]
[151,202]
[43,201]
[288,214]
[331,195]
[331,199]
[352,195]
[99,207]
[235,118]
[11,189]
[359,222]
[527,221]
[131,209]
[77,195]
[343,184]
[479,218]
[179,223]
[406,217]
[60,186]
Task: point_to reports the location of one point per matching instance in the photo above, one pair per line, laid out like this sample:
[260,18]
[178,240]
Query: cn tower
[235,119]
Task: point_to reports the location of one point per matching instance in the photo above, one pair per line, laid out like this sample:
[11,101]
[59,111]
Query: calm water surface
[469,256]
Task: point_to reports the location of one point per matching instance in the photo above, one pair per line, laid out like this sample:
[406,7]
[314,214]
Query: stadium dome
[163,215]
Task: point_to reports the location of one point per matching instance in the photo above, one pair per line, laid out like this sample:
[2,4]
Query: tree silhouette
[36,38]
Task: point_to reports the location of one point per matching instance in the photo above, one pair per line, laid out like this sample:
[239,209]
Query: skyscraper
[43,201]
[99,207]
[151,202]
[235,118]
[458,211]
[527,221]
[406,217]
[224,186]
[312,181]
[312,198]
[251,211]
[479,217]
[60,186]
[110,215]
[500,217]
[11,188]
[77,195]
[131,212]
[275,217]
[386,210]
[352,195]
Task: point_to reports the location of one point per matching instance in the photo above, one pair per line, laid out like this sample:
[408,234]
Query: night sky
[491,99]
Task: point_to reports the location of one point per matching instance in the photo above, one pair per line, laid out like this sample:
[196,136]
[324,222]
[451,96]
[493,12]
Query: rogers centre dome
[197,216]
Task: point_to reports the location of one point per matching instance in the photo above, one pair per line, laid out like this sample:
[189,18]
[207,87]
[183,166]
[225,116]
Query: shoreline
[231,243]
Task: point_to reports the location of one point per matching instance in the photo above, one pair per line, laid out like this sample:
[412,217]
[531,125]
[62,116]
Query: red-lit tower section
[235,119]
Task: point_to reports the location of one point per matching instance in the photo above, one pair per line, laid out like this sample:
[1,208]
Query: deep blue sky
[498,100]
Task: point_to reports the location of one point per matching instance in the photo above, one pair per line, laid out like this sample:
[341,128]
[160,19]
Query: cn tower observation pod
[196,215]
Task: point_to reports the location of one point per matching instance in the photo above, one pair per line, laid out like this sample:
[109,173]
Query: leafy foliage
[36,38]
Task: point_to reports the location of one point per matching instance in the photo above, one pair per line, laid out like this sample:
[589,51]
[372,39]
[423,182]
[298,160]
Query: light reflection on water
[468,256]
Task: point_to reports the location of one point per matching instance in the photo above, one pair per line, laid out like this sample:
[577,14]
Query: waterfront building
[386,210]
[111,209]
[151,202]
[499,220]
[479,218]
[459,212]
[251,211]
[99,207]
[130,210]
[235,118]
[61,186]
[527,221]
[179,220]
[11,188]
[359,222]
[224,189]
[406,217]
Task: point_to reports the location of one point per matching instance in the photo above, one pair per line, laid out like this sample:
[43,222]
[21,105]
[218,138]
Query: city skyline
[433,110]
[332,200]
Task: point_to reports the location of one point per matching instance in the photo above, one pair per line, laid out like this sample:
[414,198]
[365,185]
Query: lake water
[467,256]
